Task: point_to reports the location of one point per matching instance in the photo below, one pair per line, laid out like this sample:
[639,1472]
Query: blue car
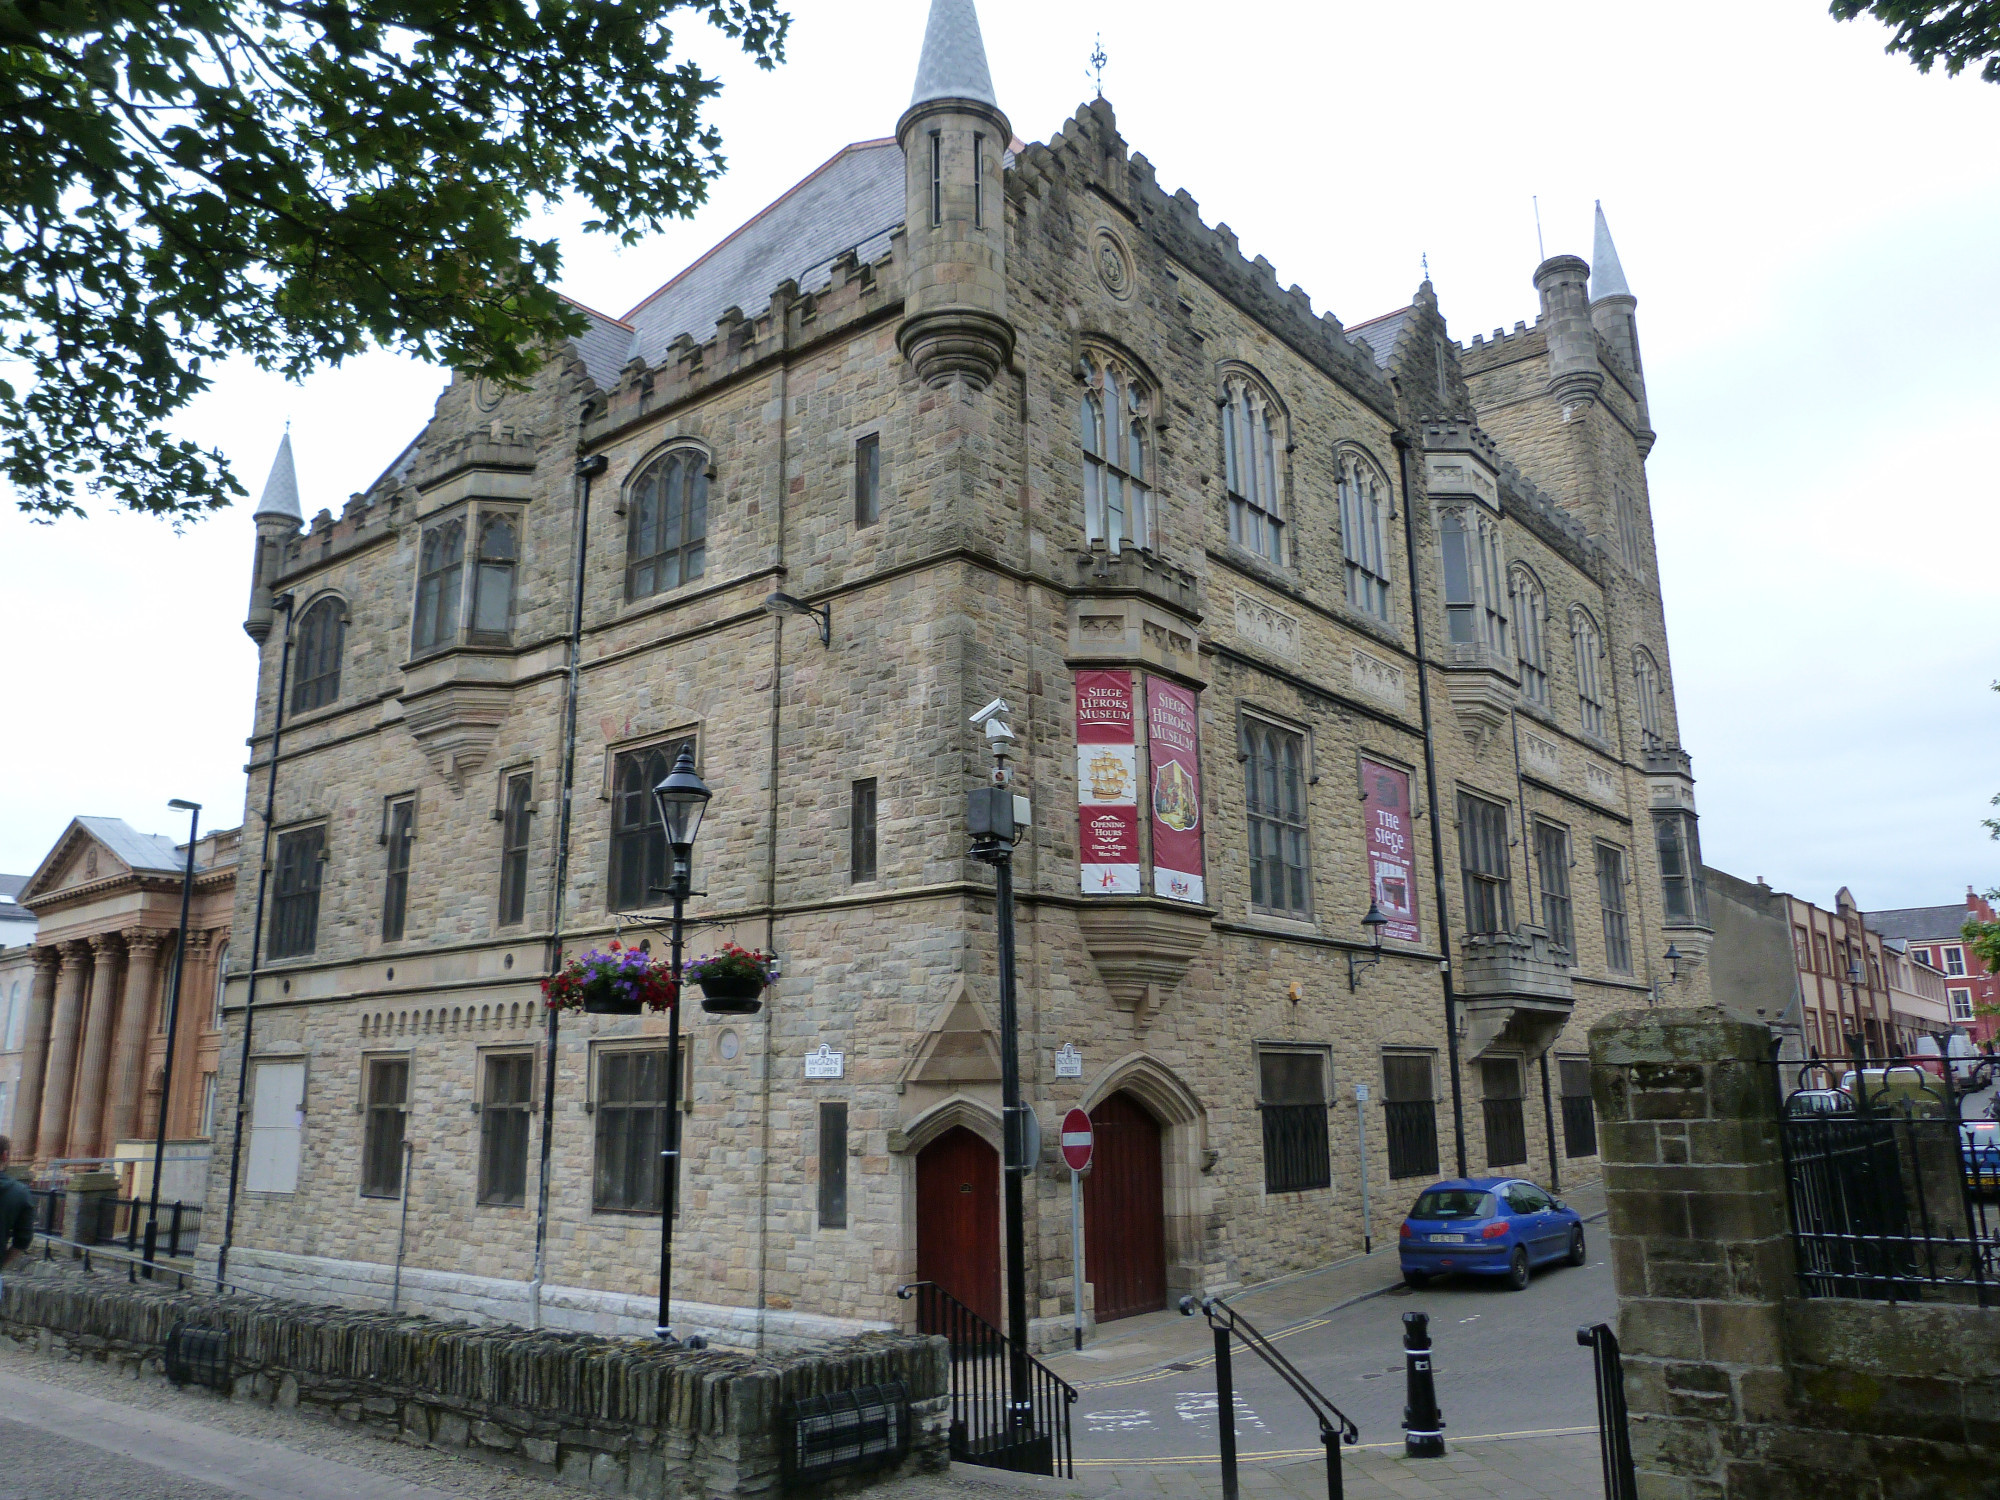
[1488,1226]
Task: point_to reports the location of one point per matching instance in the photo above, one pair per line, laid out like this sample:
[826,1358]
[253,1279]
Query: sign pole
[1361,1126]
[1076,1248]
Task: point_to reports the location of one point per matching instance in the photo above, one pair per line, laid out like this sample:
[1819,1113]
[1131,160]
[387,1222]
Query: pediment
[78,858]
[962,1045]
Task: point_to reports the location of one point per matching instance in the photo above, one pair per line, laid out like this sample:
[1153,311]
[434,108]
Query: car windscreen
[1453,1203]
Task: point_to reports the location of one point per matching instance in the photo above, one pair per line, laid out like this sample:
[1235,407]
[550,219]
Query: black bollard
[1423,1423]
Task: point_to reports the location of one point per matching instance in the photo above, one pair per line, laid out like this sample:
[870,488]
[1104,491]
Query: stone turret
[954,138]
[277,519]
[1612,309]
[1575,376]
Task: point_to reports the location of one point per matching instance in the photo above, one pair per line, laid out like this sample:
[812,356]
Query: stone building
[92,1022]
[1331,618]
[1857,981]
[17,983]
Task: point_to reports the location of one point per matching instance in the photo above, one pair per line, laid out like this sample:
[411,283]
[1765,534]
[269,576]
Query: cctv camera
[997,706]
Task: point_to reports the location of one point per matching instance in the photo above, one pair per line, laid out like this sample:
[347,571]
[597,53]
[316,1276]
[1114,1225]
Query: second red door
[1124,1231]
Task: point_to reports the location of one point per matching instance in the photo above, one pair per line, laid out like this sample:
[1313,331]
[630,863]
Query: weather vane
[1426,258]
[1097,62]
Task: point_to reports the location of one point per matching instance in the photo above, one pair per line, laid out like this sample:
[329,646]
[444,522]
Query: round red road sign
[1078,1140]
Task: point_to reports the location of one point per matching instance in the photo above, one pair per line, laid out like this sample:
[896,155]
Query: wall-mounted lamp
[785,604]
[1673,962]
[1374,922]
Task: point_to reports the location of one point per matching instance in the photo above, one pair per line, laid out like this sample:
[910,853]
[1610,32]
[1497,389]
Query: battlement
[1524,501]
[1088,149]
[840,291]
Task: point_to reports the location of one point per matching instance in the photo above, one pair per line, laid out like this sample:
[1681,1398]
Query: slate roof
[10,894]
[1380,334]
[1918,923]
[854,201]
[953,65]
[142,851]
[281,489]
[1607,277]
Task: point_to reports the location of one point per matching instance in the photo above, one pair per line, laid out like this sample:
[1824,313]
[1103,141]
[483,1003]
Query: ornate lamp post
[682,798]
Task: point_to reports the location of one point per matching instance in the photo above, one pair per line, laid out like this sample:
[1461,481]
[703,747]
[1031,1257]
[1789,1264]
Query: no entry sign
[1078,1140]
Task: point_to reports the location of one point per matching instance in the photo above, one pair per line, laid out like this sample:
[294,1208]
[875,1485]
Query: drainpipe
[771,841]
[586,470]
[282,601]
[1437,821]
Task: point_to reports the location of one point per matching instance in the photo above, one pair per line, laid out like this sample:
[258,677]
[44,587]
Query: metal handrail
[1614,1437]
[982,1430]
[1335,1426]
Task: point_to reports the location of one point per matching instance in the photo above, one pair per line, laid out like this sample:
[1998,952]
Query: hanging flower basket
[614,981]
[732,981]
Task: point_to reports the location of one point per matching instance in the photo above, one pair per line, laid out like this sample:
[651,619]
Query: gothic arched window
[1589,671]
[493,585]
[1646,680]
[440,576]
[316,649]
[1531,617]
[1117,487]
[1364,534]
[1250,469]
[666,523]
[1470,540]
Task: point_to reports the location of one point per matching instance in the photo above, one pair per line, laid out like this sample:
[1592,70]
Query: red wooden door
[958,1220]
[1124,1227]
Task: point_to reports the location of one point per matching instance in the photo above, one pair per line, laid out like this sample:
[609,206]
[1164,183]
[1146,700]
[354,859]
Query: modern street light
[193,810]
[682,798]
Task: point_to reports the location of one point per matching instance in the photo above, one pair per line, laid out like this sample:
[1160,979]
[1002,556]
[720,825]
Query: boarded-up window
[1579,1116]
[833,1166]
[277,1121]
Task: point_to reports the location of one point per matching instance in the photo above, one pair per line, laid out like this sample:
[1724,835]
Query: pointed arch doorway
[958,1220]
[1124,1212]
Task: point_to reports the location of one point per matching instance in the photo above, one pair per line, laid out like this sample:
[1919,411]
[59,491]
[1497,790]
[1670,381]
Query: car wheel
[1517,1270]
[1416,1281]
[1577,1254]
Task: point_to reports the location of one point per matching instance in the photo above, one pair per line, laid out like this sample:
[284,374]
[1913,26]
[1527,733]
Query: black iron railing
[1296,1158]
[984,1429]
[1506,1132]
[1892,1174]
[1614,1433]
[1413,1137]
[100,1219]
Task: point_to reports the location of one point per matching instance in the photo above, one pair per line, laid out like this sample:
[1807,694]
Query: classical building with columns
[1299,624]
[93,1040]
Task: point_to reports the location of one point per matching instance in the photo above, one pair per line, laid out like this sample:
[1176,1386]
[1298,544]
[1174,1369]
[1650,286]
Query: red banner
[1385,813]
[1107,784]
[1173,737]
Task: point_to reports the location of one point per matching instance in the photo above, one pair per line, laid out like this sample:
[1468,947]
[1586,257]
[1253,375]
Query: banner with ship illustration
[1173,740]
[1107,784]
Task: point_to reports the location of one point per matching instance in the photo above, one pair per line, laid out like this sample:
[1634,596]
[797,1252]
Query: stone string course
[617,1416]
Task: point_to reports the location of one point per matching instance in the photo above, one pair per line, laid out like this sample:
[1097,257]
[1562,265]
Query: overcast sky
[1810,226]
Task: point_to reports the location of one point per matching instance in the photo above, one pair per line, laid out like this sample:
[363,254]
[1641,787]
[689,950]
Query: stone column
[35,1052]
[183,1099]
[1701,1249]
[121,1104]
[87,1115]
[52,1138]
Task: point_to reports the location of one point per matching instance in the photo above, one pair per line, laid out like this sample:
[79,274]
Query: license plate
[1447,1239]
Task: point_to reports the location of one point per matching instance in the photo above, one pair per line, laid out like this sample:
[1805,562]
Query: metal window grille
[638,837]
[1579,1114]
[868,480]
[1482,855]
[1296,1155]
[1275,797]
[382,1146]
[396,879]
[631,1110]
[295,905]
[1611,904]
[861,831]
[1552,868]
[503,1127]
[666,524]
[1409,1112]
[846,1432]
[316,655]
[440,579]
[1506,1126]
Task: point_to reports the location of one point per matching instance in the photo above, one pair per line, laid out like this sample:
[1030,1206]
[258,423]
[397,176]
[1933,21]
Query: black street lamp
[682,798]
[193,810]
[1374,922]
[1673,964]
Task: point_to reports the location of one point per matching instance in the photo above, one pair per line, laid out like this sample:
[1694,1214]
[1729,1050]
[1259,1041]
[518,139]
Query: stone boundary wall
[1740,1388]
[618,1416]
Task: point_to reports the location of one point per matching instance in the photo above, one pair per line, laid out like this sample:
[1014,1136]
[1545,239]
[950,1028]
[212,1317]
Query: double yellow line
[1280,1455]
[1182,1367]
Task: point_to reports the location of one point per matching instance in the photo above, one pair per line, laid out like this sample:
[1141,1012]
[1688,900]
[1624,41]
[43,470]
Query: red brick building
[1935,935]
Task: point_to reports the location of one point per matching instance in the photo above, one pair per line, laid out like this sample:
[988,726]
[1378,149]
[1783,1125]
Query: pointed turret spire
[954,61]
[1607,277]
[281,489]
